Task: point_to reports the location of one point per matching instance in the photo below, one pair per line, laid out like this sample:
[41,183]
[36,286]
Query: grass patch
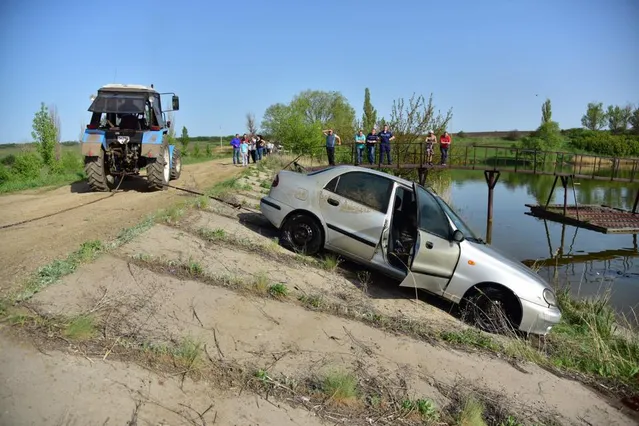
[261,283]
[340,386]
[590,339]
[45,180]
[424,408]
[186,353]
[330,262]
[172,214]
[470,337]
[49,274]
[472,413]
[82,327]
[278,290]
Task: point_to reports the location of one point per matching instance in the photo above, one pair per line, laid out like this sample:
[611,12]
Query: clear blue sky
[486,59]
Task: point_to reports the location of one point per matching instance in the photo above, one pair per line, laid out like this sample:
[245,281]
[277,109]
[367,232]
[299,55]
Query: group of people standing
[383,139]
[246,149]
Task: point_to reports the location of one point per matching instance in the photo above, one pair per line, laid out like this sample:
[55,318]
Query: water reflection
[589,262]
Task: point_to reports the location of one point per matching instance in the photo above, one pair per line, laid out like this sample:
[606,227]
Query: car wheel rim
[302,234]
[491,315]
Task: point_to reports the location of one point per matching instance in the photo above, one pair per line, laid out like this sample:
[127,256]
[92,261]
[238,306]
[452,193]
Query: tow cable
[190,191]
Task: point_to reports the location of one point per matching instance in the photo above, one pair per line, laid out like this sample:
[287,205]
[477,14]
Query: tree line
[298,124]
[616,118]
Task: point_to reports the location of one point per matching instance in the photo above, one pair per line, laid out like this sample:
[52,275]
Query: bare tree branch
[250,123]
[409,121]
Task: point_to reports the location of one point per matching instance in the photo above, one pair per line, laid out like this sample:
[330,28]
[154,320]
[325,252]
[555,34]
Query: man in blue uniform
[384,147]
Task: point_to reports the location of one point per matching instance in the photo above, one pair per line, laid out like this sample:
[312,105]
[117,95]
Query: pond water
[590,263]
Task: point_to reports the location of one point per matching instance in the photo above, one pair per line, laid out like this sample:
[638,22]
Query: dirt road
[26,247]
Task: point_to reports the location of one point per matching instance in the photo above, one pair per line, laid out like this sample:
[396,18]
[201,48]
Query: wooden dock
[599,218]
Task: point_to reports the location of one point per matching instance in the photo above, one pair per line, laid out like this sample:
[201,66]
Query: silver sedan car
[410,234]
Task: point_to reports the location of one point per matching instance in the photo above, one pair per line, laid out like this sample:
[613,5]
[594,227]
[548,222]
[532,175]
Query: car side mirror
[458,236]
[176,102]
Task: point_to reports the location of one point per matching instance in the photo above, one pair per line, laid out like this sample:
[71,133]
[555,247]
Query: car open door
[435,254]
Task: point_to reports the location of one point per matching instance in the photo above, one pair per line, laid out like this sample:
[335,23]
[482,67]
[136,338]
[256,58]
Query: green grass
[424,407]
[81,327]
[278,290]
[591,339]
[184,354]
[330,262]
[470,337]
[44,180]
[52,272]
[472,413]
[340,386]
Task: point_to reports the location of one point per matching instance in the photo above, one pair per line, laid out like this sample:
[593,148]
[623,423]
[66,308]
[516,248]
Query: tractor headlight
[549,297]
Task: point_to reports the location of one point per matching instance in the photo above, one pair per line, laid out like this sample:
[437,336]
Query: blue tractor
[128,132]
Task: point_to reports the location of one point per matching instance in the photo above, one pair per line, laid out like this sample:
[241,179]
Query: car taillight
[92,126]
[275,181]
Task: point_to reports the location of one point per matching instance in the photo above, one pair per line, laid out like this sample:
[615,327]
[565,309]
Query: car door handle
[429,245]
[333,202]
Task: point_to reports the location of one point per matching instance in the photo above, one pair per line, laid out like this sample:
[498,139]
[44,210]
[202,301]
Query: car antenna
[296,158]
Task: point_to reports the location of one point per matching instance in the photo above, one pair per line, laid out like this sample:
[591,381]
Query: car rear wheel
[492,310]
[303,234]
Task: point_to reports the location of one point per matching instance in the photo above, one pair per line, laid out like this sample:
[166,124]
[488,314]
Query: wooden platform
[600,218]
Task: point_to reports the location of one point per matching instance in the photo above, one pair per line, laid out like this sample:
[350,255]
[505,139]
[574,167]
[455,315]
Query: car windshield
[458,221]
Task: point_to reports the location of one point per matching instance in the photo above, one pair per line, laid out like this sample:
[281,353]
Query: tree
[369,119]
[55,120]
[546,112]
[634,120]
[298,125]
[595,117]
[409,121]
[250,123]
[291,128]
[44,134]
[329,109]
[618,118]
[547,137]
[184,140]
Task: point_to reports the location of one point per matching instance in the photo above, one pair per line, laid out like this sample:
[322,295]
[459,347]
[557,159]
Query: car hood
[517,266]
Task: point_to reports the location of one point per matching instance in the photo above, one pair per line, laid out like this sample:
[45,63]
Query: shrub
[71,162]
[603,142]
[8,160]
[461,134]
[5,174]
[513,135]
[27,165]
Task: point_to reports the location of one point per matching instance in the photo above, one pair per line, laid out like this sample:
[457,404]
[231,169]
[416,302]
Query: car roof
[348,168]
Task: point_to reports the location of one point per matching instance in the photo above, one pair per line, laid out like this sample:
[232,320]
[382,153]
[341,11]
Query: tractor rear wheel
[159,172]
[98,176]
[176,164]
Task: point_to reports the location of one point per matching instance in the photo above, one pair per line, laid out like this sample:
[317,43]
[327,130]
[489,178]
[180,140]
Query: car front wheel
[492,310]
[303,234]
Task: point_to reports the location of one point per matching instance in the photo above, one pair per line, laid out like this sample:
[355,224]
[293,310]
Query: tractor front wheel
[98,175]
[176,164]
[159,172]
